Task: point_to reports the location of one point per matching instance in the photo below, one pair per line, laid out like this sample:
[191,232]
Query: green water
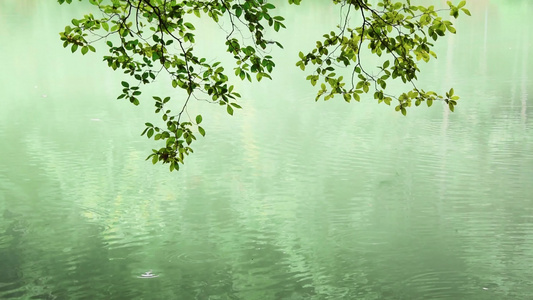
[288,199]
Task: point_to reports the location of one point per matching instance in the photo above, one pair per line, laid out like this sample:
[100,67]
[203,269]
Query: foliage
[148,37]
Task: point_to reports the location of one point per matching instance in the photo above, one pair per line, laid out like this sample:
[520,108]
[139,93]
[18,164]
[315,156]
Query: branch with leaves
[400,32]
[146,38]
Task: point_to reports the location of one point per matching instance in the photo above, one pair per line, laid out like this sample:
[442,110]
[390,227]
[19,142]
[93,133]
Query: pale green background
[287,199]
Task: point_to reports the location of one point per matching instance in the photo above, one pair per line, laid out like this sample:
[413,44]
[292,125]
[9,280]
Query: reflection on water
[289,199]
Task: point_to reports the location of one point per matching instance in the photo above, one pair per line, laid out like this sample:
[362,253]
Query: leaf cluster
[145,38]
[399,33]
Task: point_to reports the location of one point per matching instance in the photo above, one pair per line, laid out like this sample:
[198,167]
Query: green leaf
[201,131]
[125,84]
[276,26]
[74,48]
[301,65]
[124,32]
[84,50]
[198,119]
[450,28]
[188,25]
[347,97]
[229,109]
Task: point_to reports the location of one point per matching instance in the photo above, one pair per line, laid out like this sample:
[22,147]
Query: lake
[287,199]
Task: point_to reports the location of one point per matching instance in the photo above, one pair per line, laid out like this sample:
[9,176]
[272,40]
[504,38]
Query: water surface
[288,199]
